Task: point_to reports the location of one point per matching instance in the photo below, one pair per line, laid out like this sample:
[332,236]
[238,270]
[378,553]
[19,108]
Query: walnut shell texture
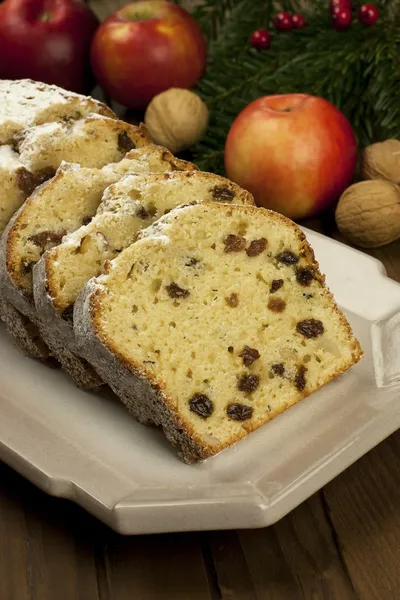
[176,119]
[382,161]
[368,213]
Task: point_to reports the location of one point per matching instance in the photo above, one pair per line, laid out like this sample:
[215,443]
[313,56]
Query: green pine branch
[358,70]
[211,15]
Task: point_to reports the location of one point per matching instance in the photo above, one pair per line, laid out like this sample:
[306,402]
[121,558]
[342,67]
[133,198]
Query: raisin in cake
[213,322]
[24,103]
[128,206]
[59,207]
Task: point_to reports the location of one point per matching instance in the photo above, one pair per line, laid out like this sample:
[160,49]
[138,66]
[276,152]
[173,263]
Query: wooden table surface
[341,544]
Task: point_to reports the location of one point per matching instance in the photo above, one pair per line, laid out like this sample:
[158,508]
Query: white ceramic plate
[86,447]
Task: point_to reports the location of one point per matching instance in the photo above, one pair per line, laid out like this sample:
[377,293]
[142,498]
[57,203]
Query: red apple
[145,48]
[47,40]
[295,153]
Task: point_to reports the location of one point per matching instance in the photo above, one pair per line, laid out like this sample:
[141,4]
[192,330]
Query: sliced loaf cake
[92,142]
[24,103]
[34,157]
[127,207]
[213,322]
[58,207]
[37,152]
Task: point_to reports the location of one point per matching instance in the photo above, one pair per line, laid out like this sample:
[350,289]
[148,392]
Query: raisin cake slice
[37,152]
[24,103]
[56,208]
[92,142]
[216,320]
[34,157]
[128,206]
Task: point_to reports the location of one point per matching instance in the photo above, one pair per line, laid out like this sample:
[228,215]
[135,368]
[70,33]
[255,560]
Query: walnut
[176,119]
[368,213]
[382,161]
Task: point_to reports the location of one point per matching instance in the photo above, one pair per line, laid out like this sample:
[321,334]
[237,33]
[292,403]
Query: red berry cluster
[283,21]
[342,14]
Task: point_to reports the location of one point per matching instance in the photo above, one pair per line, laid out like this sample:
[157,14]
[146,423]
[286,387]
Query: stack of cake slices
[206,315]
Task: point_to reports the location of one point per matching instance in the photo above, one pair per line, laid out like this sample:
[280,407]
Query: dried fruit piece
[28,181]
[256,247]
[222,193]
[300,380]
[249,355]
[86,220]
[304,276]
[234,243]
[310,328]
[232,300]
[27,266]
[239,412]
[142,213]
[124,142]
[278,369]
[230,349]
[201,405]
[47,239]
[287,257]
[248,383]
[191,262]
[175,291]
[145,213]
[276,285]
[276,305]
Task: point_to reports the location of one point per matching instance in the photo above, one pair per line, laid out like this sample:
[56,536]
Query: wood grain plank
[308,543]
[52,543]
[232,573]
[15,581]
[364,508]
[297,558]
[269,570]
[156,567]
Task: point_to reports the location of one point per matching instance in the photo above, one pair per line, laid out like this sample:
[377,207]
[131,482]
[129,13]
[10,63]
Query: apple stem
[46,16]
